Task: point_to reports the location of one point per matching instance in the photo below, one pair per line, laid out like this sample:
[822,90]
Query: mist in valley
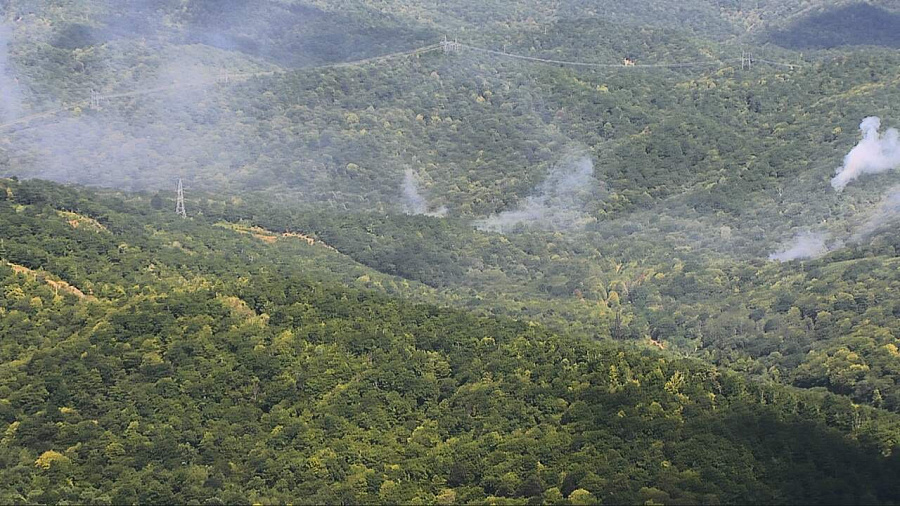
[426,243]
[196,125]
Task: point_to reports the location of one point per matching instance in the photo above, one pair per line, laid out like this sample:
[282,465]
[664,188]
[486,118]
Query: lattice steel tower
[179,200]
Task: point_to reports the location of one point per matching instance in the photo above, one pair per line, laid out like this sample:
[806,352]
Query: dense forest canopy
[141,365]
[449,252]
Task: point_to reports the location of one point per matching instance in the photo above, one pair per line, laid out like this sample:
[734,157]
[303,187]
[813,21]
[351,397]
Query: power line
[223,77]
[791,66]
[705,63]
[448,47]
[412,52]
[747,59]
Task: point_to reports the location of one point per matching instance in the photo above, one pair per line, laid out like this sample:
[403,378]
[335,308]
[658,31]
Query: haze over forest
[449,252]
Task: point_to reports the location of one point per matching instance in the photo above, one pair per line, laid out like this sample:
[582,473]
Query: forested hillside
[731,146]
[841,27]
[827,322]
[144,360]
[449,252]
[287,33]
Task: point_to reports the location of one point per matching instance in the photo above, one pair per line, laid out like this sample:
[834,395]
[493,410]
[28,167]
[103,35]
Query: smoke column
[559,203]
[414,201]
[10,96]
[887,212]
[875,153]
[805,245]
[816,244]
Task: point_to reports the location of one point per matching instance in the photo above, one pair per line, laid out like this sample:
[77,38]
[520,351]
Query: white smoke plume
[10,94]
[875,153]
[887,212]
[559,203]
[804,245]
[817,244]
[414,201]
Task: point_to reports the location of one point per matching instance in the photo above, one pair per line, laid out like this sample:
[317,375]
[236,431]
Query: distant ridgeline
[286,33]
[859,24]
[206,365]
[289,339]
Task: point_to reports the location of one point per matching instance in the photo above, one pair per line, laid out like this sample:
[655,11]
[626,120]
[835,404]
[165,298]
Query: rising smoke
[413,200]
[130,143]
[192,127]
[804,245]
[886,213]
[559,203]
[10,94]
[875,153]
[159,120]
[816,244]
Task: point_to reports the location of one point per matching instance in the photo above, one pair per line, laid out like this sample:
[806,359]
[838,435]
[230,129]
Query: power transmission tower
[179,200]
[450,46]
[746,60]
[95,100]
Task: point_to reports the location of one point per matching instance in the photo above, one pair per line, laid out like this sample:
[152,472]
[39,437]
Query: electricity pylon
[179,200]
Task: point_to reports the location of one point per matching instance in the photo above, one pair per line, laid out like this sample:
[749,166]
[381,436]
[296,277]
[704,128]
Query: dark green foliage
[211,378]
[156,202]
[146,358]
[294,34]
[824,323]
[75,36]
[859,24]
